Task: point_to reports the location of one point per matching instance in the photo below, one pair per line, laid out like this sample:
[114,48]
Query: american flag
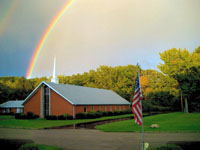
[136,105]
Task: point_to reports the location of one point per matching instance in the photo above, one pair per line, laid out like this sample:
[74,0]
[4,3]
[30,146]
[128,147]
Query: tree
[190,86]
[177,63]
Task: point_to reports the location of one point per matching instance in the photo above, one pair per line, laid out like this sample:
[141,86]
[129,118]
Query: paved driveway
[85,139]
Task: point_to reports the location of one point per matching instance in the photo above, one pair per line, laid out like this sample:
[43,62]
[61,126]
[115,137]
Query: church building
[52,98]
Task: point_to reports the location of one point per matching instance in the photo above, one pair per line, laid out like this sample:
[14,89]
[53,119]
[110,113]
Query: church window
[46,100]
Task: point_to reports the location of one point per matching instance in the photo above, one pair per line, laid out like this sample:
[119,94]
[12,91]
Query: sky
[94,32]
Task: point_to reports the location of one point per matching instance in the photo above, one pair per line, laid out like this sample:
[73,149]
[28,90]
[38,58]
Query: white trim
[58,93]
[31,94]
[34,91]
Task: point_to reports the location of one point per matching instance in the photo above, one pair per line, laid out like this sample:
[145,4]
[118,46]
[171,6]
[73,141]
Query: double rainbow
[6,17]
[44,38]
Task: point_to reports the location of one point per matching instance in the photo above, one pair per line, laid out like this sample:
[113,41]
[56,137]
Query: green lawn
[11,122]
[171,122]
[47,147]
[6,117]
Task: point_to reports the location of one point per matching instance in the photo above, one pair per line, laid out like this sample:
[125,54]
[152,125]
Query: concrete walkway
[85,139]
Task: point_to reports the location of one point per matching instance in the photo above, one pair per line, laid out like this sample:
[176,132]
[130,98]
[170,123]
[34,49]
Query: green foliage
[120,79]
[169,147]
[65,117]
[147,106]
[51,117]
[12,88]
[91,115]
[184,67]
[29,147]
[13,144]
[29,115]
[48,147]
[20,116]
[62,117]
[81,115]
[197,50]
[180,71]
[99,113]
[69,117]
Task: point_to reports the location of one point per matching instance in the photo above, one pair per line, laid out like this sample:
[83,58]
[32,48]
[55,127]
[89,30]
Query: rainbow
[44,38]
[6,17]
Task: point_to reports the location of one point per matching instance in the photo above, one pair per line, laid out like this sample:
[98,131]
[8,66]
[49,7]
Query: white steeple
[54,78]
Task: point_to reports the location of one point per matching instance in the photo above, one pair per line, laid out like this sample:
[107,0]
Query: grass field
[11,122]
[171,122]
[47,147]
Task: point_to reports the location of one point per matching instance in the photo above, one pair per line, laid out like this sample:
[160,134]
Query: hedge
[13,144]
[65,117]
[51,117]
[81,115]
[99,113]
[169,147]
[29,115]
[29,147]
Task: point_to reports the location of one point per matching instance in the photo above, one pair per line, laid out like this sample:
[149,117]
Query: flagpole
[143,148]
[142,132]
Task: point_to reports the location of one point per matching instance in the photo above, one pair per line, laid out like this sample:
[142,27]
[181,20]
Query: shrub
[169,147]
[13,144]
[62,117]
[6,113]
[125,112]
[31,115]
[81,115]
[91,115]
[69,117]
[121,112]
[65,117]
[51,117]
[105,113]
[110,113]
[99,113]
[116,112]
[29,147]
[36,116]
[20,116]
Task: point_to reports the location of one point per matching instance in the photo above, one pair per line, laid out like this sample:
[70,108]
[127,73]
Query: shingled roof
[79,95]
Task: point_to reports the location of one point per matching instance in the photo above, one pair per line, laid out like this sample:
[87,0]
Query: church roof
[79,95]
[12,104]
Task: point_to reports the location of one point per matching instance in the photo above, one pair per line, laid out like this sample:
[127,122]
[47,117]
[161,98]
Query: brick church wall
[33,104]
[59,105]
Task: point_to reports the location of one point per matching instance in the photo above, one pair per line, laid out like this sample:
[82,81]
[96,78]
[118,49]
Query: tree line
[175,84]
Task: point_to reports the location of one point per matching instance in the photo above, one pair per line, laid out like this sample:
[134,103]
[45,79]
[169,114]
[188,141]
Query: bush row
[13,144]
[98,114]
[169,147]
[29,147]
[89,115]
[29,115]
[147,106]
[6,113]
[60,117]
